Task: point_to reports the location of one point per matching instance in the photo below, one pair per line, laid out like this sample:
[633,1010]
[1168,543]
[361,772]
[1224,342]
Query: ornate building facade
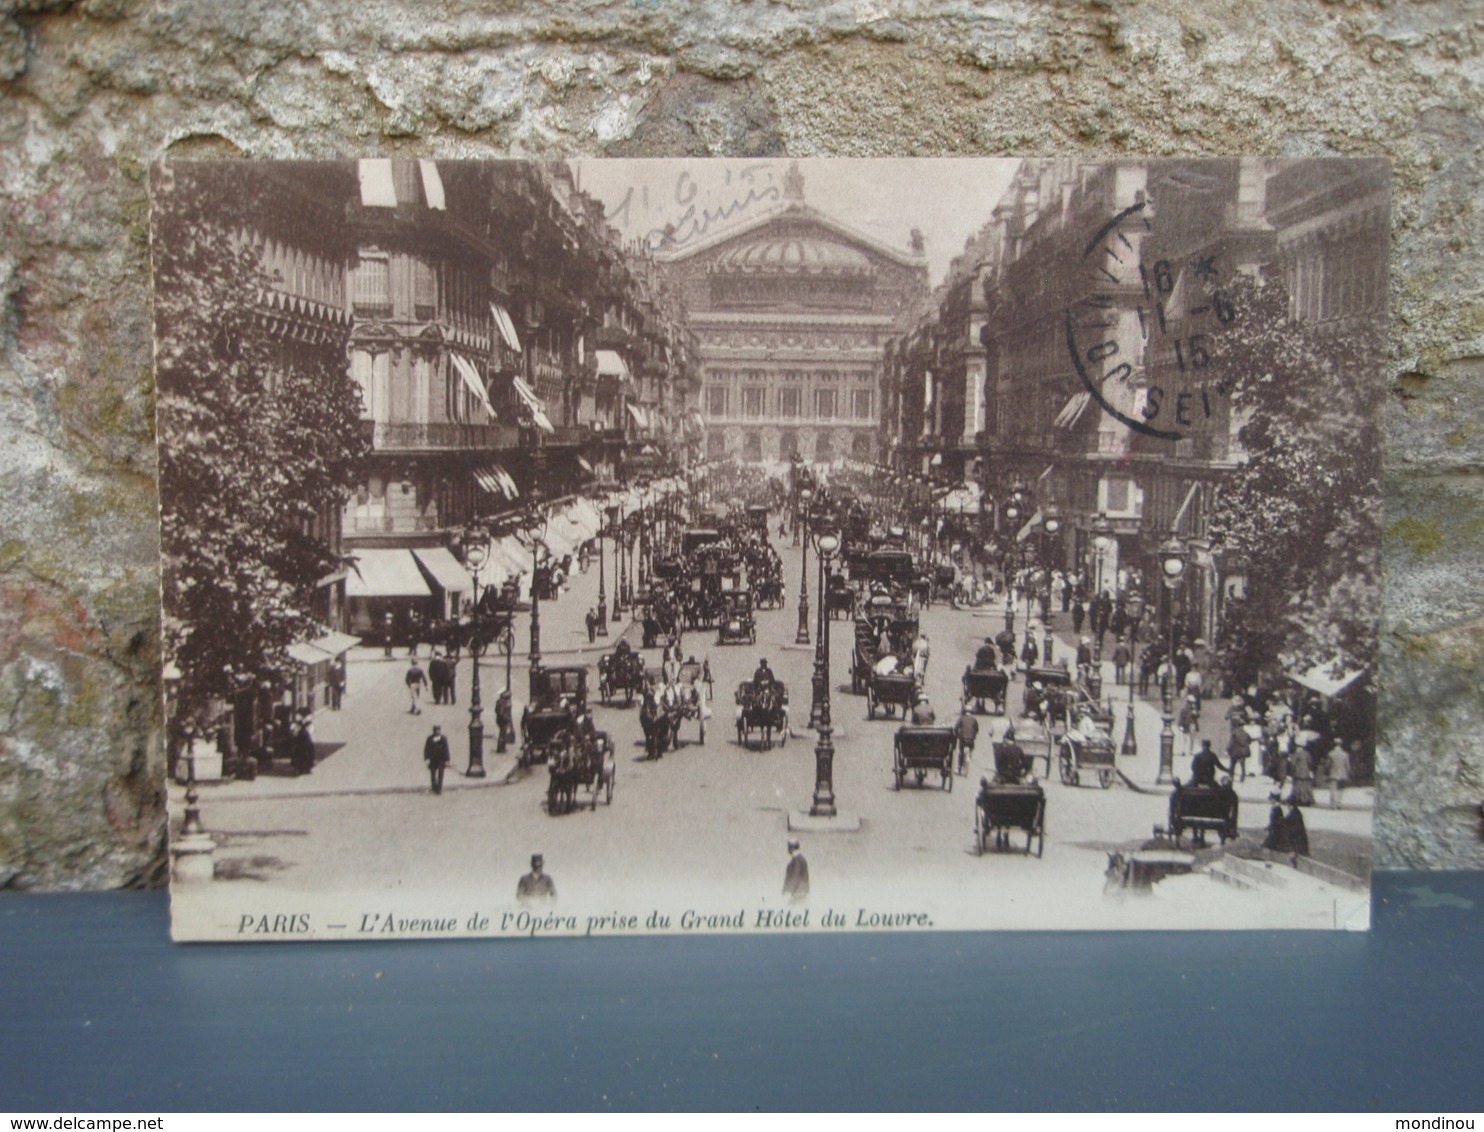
[790,312]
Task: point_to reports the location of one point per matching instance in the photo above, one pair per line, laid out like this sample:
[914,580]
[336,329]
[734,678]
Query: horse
[659,724]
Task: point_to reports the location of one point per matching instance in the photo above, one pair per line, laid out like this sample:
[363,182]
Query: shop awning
[1030,527]
[698,420]
[584,465]
[495,480]
[445,569]
[1072,411]
[611,364]
[638,415]
[385,573]
[472,381]
[1327,679]
[335,643]
[377,189]
[432,185]
[534,405]
[306,653]
[505,326]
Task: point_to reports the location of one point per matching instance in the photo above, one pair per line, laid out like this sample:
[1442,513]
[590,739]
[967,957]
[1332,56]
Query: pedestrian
[435,754]
[414,631]
[796,876]
[706,678]
[968,734]
[504,721]
[1339,774]
[592,625]
[451,687]
[1302,769]
[388,623]
[536,885]
[1030,654]
[1121,658]
[416,680]
[438,677]
[337,683]
[1079,615]
[301,744]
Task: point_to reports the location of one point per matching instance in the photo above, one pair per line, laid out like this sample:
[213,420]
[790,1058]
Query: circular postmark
[1140,330]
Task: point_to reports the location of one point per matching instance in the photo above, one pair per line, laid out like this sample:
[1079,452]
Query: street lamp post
[822,629]
[1051,527]
[602,626]
[1135,607]
[536,521]
[802,636]
[476,554]
[1172,565]
[618,564]
[823,805]
[1102,539]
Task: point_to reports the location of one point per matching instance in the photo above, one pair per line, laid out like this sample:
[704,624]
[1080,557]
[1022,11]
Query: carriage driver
[763,677]
[1010,763]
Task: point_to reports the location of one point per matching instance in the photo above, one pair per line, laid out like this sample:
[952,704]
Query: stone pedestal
[191,858]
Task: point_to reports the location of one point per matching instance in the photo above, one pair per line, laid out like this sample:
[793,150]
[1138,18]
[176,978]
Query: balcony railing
[391,524]
[402,436]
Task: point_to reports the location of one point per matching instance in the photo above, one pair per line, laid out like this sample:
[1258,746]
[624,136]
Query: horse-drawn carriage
[919,751]
[558,701]
[620,672]
[1203,808]
[1091,751]
[945,582]
[583,760]
[1003,808]
[1056,699]
[659,620]
[769,591]
[890,691]
[986,680]
[839,597]
[736,623]
[762,707]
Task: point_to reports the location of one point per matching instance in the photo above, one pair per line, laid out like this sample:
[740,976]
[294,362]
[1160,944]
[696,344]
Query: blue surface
[98,1010]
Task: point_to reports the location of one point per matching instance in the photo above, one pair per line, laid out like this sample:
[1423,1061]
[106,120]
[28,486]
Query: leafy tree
[257,439]
[1305,507]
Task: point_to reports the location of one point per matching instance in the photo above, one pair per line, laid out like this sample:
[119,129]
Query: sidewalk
[373,745]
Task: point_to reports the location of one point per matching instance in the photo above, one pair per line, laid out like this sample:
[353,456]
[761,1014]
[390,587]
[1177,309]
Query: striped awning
[495,480]
[1073,410]
[385,573]
[638,414]
[506,326]
[534,405]
[472,381]
[611,364]
[379,186]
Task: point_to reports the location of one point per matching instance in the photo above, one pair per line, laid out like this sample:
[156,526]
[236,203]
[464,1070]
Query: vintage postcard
[608,547]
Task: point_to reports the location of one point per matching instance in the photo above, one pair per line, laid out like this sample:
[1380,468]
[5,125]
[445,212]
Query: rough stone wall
[92,91]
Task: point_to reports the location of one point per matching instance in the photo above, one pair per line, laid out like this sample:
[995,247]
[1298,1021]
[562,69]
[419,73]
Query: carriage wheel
[703,732]
[741,736]
[899,776]
[1105,778]
[948,778]
[870,704]
[1064,768]
[921,775]
[552,794]
[610,776]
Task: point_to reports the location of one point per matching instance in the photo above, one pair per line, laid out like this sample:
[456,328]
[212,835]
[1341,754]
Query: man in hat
[535,885]
[436,755]
[796,876]
[967,728]
[1204,765]
[923,714]
[1010,762]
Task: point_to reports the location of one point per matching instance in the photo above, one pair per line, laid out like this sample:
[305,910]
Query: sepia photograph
[605,547]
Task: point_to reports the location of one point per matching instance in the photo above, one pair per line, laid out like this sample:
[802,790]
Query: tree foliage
[258,438]
[1305,507]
